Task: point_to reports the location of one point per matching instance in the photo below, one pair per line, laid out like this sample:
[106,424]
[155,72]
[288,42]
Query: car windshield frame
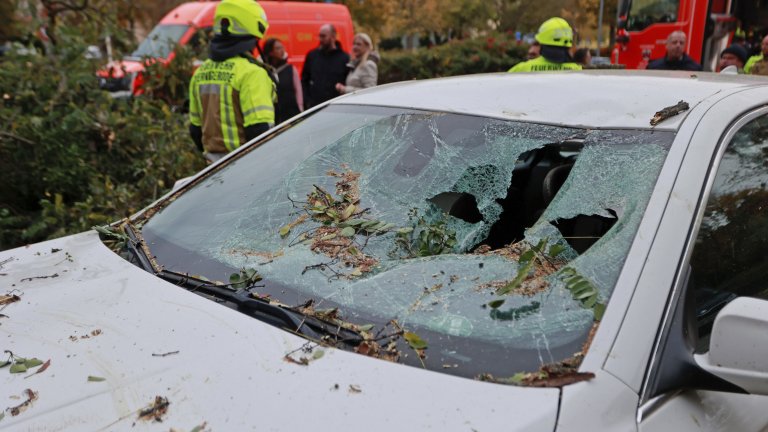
[461,264]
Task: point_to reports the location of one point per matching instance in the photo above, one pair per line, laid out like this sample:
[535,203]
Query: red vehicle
[296,24]
[709,24]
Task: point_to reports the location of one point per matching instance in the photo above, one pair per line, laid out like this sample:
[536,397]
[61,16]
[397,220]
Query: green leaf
[234,278]
[527,256]
[348,232]
[18,368]
[494,304]
[556,250]
[405,230]
[522,274]
[518,377]
[348,211]
[33,362]
[92,378]
[284,231]
[415,341]
[4,364]
[318,354]
[583,283]
[366,327]
[590,302]
[599,311]
[584,295]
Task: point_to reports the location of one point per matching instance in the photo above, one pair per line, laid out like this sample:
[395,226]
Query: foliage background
[73,157]
[496,52]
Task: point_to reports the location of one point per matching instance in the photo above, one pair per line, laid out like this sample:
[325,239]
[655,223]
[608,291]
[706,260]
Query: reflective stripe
[210,88]
[228,126]
[194,115]
[270,108]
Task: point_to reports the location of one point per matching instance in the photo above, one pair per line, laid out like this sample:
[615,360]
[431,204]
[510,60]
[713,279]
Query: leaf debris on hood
[309,349]
[20,408]
[156,410]
[9,297]
[165,354]
[41,369]
[31,278]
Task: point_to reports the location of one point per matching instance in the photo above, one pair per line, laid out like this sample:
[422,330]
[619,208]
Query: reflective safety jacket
[751,62]
[541,64]
[228,96]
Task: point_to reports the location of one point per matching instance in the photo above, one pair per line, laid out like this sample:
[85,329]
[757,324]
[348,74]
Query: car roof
[592,98]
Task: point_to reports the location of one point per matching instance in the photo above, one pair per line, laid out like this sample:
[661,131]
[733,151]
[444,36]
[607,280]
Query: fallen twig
[165,354]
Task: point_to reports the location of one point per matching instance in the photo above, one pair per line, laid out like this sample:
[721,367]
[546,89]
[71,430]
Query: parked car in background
[470,253]
[296,24]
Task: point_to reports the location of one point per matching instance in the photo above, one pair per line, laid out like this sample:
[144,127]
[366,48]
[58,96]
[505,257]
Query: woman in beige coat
[363,69]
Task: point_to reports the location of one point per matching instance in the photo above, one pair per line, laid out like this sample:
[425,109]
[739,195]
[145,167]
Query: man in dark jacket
[676,58]
[324,66]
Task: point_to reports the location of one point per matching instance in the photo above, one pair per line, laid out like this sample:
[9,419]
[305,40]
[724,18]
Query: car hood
[93,314]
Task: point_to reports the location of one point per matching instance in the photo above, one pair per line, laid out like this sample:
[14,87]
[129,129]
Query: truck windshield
[496,242]
[643,13]
[160,41]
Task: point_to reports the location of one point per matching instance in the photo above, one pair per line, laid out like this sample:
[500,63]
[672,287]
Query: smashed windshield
[494,245]
[160,41]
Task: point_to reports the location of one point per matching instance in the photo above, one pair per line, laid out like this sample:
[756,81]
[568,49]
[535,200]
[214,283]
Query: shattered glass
[420,160]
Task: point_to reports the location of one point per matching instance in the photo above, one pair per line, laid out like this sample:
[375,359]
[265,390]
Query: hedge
[493,53]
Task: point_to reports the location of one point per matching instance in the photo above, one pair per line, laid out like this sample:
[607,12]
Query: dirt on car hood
[95,343]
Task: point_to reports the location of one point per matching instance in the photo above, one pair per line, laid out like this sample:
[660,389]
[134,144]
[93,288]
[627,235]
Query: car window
[497,242]
[729,257]
[643,13]
[160,41]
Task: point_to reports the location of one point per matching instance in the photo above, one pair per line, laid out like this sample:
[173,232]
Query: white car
[531,252]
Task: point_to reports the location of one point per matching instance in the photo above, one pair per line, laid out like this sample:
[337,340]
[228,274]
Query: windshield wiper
[258,308]
[277,315]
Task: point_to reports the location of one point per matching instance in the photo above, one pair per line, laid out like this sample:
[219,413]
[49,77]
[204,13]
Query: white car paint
[230,370]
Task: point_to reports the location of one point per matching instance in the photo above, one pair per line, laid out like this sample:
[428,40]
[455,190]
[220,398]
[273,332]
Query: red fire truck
[643,27]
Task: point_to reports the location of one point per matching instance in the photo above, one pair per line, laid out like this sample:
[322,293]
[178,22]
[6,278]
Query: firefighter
[231,94]
[758,64]
[556,39]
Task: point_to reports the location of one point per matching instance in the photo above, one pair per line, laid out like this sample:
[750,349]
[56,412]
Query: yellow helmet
[246,17]
[556,32]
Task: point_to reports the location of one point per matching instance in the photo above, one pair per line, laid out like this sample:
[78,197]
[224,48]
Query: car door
[725,257]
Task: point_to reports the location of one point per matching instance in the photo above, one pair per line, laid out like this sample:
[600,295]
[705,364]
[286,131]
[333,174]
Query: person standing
[290,97]
[324,66]
[734,57]
[231,94]
[758,65]
[675,58]
[364,71]
[556,38]
[583,57]
[534,50]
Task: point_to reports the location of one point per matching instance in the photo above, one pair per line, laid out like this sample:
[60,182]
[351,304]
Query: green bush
[71,155]
[494,53]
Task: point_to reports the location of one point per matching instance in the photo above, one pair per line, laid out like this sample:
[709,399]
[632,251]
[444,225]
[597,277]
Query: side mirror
[738,348]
